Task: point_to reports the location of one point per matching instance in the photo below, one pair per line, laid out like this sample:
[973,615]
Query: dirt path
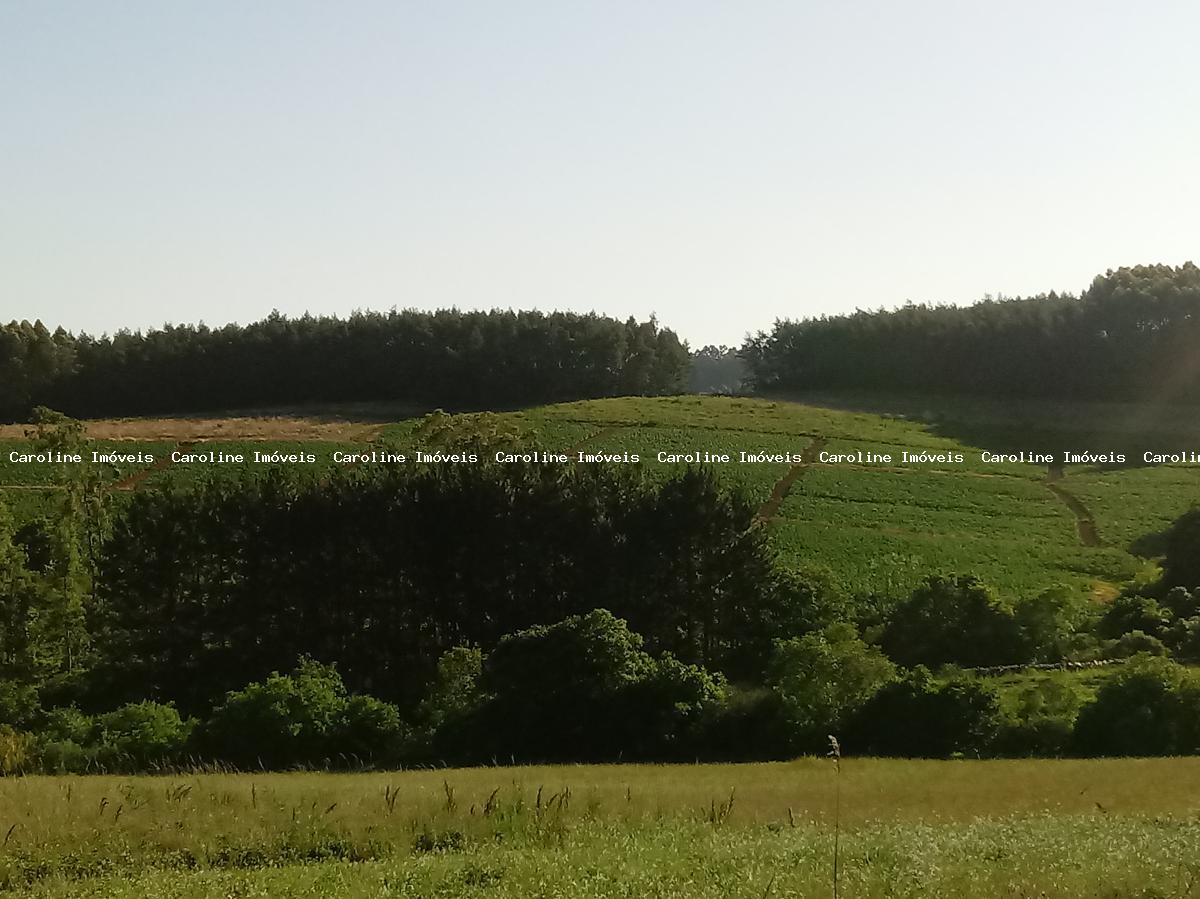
[1085,524]
[133,481]
[770,509]
[595,435]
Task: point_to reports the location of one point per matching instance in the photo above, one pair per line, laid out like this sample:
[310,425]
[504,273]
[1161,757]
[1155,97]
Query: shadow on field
[1033,426]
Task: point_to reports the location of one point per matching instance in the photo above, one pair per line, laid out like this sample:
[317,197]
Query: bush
[67,723]
[1184,638]
[142,733]
[749,725]
[1041,717]
[66,741]
[64,757]
[921,717]
[662,717]
[369,730]
[1134,613]
[284,721]
[809,600]
[455,688]
[579,690]
[1148,708]
[299,719]
[444,716]
[1136,643]
[954,620]
[1051,622]
[1181,561]
[19,704]
[1181,603]
[821,679]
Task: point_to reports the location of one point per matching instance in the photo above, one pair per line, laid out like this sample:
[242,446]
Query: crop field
[35,473]
[272,453]
[877,526]
[1114,828]
[1137,504]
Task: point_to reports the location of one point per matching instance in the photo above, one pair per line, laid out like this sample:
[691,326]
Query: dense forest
[469,613]
[1131,335]
[448,358]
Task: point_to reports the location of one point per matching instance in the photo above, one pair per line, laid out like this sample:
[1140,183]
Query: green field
[1115,828]
[877,527]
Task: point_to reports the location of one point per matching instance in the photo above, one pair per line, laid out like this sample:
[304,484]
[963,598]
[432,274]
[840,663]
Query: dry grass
[45,808]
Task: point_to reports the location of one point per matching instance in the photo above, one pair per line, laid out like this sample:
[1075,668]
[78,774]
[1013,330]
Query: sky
[717,164]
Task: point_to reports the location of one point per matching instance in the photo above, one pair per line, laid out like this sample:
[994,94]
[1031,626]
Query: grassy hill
[876,526]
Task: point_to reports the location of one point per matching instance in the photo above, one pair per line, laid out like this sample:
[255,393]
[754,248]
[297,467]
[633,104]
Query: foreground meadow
[907,828]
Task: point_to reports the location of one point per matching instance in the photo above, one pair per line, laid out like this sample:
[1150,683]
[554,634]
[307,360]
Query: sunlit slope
[882,527]
[877,526]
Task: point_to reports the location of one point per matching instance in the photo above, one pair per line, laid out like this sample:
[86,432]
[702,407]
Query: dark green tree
[1147,708]
[954,620]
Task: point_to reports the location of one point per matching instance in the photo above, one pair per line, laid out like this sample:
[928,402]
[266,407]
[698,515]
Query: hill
[880,499]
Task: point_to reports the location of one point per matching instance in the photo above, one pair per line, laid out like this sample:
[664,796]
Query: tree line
[1131,334]
[447,358]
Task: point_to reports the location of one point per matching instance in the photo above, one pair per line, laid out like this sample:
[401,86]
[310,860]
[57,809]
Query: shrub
[368,730]
[1181,603]
[142,733]
[66,741]
[809,600]
[1148,708]
[1187,716]
[67,723]
[455,688]
[582,689]
[1184,638]
[1181,560]
[663,715]
[299,719]
[1129,613]
[1040,717]
[18,703]
[551,690]
[284,721]
[1136,643]
[64,757]
[821,679]
[444,716]
[954,620]
[921,717]
[1051,621]
[748,725]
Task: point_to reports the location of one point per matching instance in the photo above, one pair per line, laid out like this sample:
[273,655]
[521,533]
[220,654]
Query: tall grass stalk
[835,753]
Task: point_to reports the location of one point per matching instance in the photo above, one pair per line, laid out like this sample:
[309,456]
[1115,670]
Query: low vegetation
[1113,828]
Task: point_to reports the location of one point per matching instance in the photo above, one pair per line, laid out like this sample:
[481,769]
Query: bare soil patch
[233,428]
[783,487]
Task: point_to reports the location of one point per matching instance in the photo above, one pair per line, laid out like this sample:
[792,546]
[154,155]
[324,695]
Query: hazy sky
[719,164]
